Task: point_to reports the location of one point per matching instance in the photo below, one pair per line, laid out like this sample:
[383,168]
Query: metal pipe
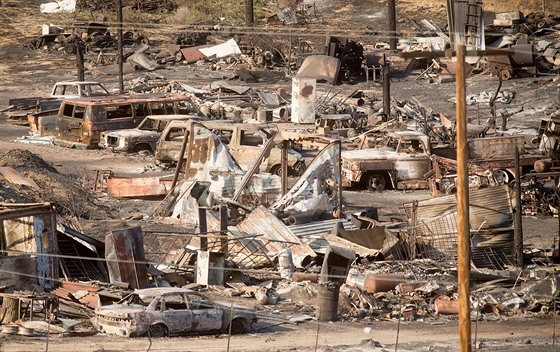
[518,228]
[120,44]
[463,250]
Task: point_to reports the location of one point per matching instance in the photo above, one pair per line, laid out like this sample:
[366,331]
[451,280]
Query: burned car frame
[401,160]
[80,121]
[244,141]
[143,137]
[171,311]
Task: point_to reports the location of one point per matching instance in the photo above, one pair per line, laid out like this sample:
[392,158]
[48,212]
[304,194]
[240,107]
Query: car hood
[134,132]
[119,310]
[378,154]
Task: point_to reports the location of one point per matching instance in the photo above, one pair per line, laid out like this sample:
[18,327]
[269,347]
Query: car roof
[77,82]
[126,99]
[157,291]
[173,117]
[225,124]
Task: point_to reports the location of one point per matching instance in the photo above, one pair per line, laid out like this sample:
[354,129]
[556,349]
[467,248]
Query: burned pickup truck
[400,160]
[171,311]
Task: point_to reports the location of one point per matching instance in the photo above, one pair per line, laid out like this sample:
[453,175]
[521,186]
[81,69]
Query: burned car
[400,159]
[171,311]
[143,137]
[243,140]
[80,121]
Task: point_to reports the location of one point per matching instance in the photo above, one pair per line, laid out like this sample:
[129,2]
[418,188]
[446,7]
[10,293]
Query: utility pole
[463,250]
[120,44]
[249,13]
[392,18]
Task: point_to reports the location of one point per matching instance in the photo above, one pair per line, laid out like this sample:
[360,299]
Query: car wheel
[237,326]
[276,170]
[501,176]
[142,147]
[158,330]
[376,182]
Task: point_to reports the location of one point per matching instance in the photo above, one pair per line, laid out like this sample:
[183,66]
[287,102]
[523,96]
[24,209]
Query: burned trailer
[80,121]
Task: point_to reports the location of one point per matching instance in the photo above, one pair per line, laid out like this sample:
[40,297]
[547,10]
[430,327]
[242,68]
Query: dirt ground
[27,73]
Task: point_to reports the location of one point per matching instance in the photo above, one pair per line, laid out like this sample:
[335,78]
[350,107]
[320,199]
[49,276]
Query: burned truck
[401,161]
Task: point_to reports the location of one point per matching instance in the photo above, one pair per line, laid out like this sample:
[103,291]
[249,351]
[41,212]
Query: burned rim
[237,326]
[158,330]
[376,182]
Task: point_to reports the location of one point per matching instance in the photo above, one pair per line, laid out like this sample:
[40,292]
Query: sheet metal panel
[124,252]
[261,221]
[32,229]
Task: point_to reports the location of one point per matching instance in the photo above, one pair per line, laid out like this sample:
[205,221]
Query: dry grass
[525,6]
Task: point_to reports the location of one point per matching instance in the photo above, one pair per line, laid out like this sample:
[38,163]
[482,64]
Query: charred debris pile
[287,244]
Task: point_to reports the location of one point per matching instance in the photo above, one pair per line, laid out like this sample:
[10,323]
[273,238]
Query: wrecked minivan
[80,121]
[171,311]
[244,141]
[143,137]
[400,160]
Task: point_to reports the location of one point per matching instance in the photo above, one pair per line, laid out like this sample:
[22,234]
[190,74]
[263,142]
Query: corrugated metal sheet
[124,252]
[13,176]
[323,227]
[434,226]
[69,290]
[489,208]
[261,221]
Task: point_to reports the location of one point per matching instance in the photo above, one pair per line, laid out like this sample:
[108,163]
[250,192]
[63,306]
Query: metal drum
[327,303]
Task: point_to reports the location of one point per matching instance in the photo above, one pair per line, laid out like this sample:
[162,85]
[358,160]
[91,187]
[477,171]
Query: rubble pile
[28,177]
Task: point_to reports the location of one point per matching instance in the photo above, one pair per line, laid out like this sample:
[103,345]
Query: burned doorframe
[30,229]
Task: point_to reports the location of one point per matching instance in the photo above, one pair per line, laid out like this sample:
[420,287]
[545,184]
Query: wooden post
[392,17]
[463,227]
[223,227]
[203,229]
[120,44]
[180,161]
[518,228]
[11,306]
[340,215]
[386,92]
[284,165]
[249,13]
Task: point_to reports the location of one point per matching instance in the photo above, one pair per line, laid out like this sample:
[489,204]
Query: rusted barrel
[382,282]
[299,277]
[327,303]
[405,287]
[444,305]
[543,165]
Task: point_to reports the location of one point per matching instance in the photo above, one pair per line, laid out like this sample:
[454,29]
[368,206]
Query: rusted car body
[171,311]
[80,121]
[143,137]
[402,162]
[43,120]
[244,141]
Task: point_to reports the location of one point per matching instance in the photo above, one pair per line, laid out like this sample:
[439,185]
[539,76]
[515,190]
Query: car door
[249,148]
[206,315]
[176,314]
